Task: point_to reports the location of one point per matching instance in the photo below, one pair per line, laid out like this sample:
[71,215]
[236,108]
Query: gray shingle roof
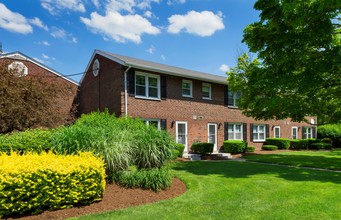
[162,68]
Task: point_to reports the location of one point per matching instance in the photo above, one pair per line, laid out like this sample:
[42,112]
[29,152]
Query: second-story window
[147,86]
[233,98]
[187,87]
[206,91]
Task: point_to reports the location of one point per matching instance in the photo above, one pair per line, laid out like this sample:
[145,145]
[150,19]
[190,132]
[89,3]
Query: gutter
[126,92]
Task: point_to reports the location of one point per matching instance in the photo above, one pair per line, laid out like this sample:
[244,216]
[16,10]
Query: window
[19,67]
[277,131]
[258,132]
[235,131]
[294,132]
[212,135]
[181,133]
[307,132]
[233,98]
[206,91]
[147,86]
[187,88]
[153,122]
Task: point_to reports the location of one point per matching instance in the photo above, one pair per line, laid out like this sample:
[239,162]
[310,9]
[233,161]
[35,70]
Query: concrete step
[192,156]
[225,155]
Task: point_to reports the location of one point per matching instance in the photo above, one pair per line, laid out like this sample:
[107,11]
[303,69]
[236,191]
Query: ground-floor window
[277,132]
[235,131]
[258,132]
[153,122]
[307,132]
[294,131]
[181,133]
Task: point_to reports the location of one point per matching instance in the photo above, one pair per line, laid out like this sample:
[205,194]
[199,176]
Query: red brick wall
[104,90]
[63,102]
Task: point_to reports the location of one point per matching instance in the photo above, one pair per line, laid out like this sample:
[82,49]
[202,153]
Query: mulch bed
[114,198]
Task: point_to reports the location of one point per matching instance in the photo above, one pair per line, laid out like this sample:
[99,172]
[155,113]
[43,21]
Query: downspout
[126,92]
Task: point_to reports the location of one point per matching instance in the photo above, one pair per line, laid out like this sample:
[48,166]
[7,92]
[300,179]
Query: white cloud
[151,49]
[14,22]
[121,28]
[163,57]
[37,22]
[203,24]
[55,6]
[96,3]
[119,5]
[224,68]
[62,34]
[172,2]
[46,43]
[148,14]
[45,56]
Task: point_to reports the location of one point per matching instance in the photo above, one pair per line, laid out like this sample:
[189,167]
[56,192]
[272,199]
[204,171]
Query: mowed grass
[243,190]
[317,159]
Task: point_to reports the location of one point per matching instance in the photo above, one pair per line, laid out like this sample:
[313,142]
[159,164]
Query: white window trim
[215,147]
[292,132]
[191,88]
[148,120]
[275,127]
[210,91]
[147,75]
[305,134]
[259,140]
[234,131]
[186,134]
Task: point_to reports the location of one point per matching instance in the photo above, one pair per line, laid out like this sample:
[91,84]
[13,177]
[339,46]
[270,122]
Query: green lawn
[243,190]
[317,159]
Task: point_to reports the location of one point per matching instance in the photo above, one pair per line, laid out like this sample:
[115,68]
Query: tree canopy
[298,65]
[28,102]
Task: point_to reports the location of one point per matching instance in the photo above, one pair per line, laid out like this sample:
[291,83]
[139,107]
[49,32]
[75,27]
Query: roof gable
[20,56]
[157,67]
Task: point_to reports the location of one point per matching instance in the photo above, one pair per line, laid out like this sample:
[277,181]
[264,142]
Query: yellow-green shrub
[33,183]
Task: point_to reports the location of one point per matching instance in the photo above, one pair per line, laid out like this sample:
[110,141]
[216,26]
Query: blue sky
[201,35]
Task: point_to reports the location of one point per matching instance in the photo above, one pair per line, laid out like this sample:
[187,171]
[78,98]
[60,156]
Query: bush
[332,131]
[120,141]
[33,183]
[234,146]
[303,144]
[281,143]
[31,140]
[202,148]
[175,154]
[295,144]
[155,179]
[180,148]
[327,140]
[269,147]
[321,145]
[250,149]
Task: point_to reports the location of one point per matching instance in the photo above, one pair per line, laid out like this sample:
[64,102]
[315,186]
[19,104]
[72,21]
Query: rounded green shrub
[234,146]
[319,146]
[269,147]
[295,144]
[250,149]
[281,143]
[180,148]
[202,148]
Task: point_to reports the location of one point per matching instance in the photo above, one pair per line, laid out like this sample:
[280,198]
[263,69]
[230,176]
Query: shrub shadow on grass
[234,169]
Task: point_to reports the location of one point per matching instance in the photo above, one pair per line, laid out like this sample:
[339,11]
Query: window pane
[238,136]
[230,128]
[255,129]
[261,129]
[153,92]
[140,80]
[255,136]
[152,81]
[230,136]
[238,128]
[261,136]
[140,90]
[154,123]
[186,88]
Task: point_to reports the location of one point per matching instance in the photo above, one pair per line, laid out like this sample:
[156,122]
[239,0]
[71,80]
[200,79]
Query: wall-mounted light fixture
[172,124]
[219,125]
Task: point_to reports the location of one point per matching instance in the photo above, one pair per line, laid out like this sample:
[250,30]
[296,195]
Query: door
[181,133]
[212,135]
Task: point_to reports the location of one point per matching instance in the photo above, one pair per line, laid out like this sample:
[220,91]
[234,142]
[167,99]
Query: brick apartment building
[192,106]
[26,65]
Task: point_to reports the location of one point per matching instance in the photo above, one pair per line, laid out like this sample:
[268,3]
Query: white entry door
[212,135]
[181,133]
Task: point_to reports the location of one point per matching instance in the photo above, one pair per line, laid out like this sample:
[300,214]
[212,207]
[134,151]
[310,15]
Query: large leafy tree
[297,72]
[31,101]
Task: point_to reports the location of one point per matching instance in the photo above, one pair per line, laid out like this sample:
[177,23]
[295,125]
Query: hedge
[250,149]
[202,148]
[234,146]
[332,131]
[281,143]
[319,146]
[33,183]
[180,148]
[31,140]
[269,147]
